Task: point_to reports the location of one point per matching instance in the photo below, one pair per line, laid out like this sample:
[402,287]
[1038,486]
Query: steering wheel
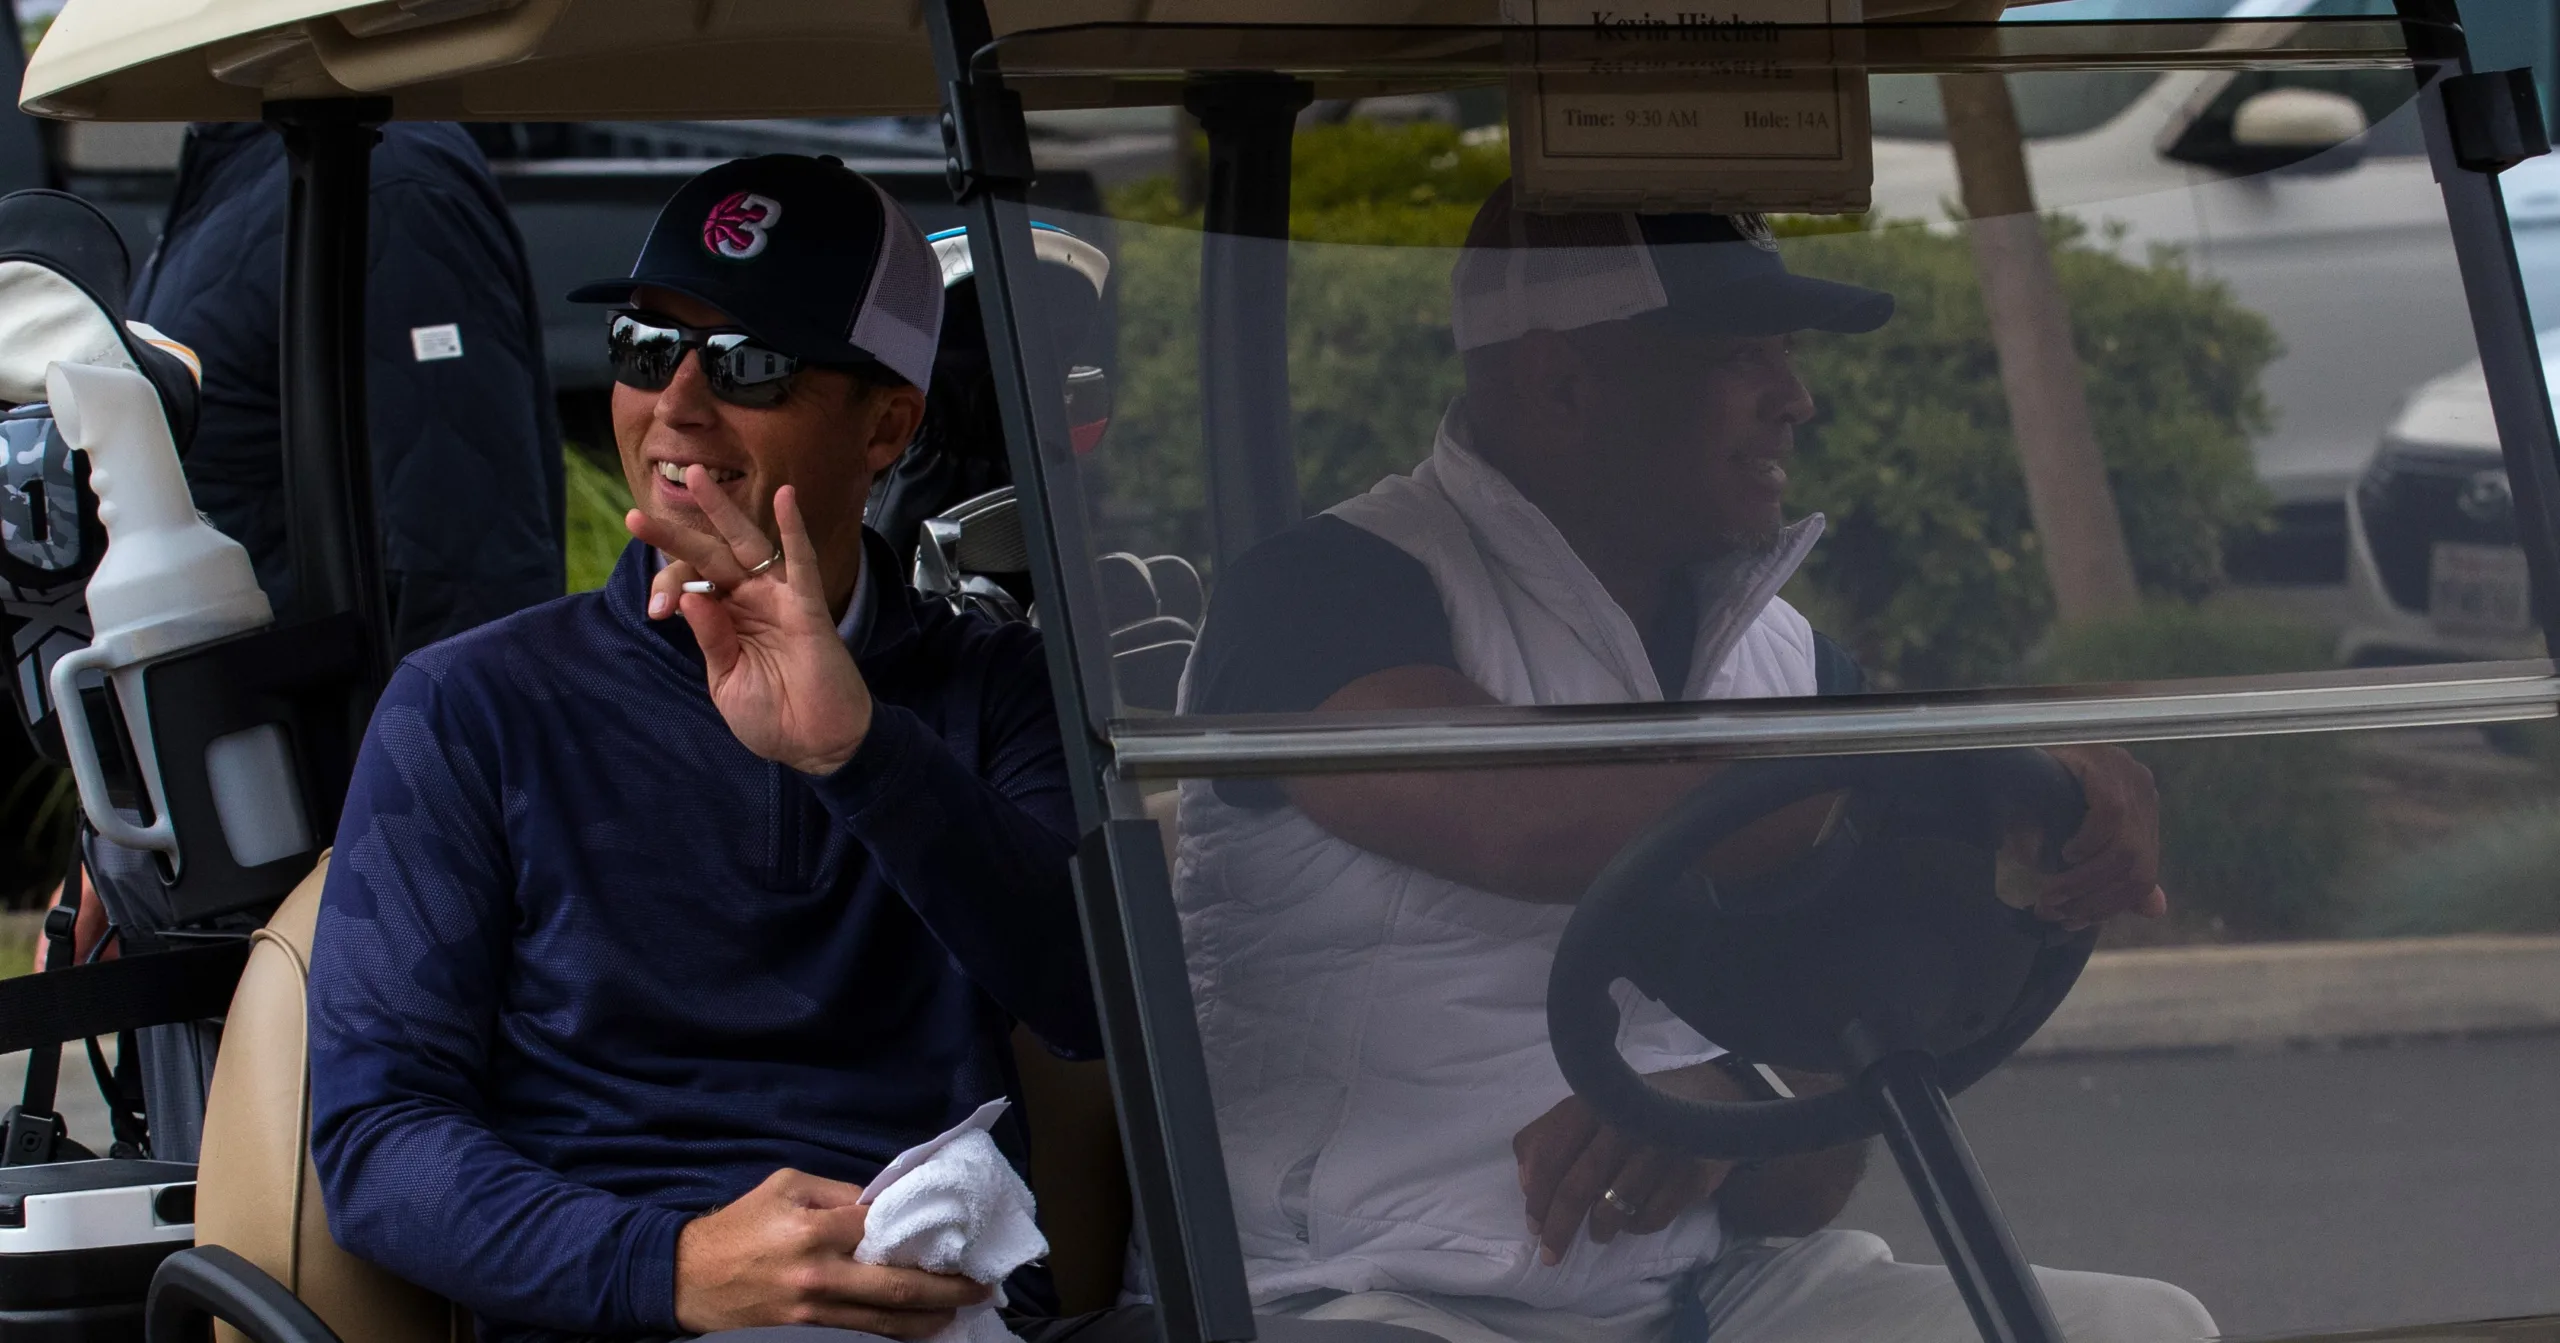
[1888,937]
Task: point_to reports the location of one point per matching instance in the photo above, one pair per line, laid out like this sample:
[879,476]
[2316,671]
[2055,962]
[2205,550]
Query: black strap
[37,1140]
[32,1132]
[42,1012]
[120,1086]
[132,991]
[44,1068]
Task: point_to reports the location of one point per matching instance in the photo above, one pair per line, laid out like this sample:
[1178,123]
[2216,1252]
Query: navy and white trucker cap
[806,254]
[1716,274]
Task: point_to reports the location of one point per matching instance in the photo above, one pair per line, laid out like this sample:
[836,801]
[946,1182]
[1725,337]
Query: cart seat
[258,1195]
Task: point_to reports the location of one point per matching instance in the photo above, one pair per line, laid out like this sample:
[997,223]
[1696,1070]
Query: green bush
[2255,831]
[2502,876]
[1931,572]
[38,810]
[20,932]
[597,500]
[1371,364]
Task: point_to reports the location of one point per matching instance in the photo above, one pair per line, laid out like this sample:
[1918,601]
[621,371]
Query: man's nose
[686,401]
[1786,398]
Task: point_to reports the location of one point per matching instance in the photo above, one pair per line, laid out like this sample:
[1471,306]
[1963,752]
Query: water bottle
[169,584]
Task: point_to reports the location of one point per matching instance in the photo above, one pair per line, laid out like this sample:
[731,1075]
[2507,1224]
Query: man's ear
[898,413]
[1551,378]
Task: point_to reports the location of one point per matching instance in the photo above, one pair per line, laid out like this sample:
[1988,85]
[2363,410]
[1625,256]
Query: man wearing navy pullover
[647,940]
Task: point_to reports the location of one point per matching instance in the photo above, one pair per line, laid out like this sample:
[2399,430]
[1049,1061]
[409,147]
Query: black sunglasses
[646,351]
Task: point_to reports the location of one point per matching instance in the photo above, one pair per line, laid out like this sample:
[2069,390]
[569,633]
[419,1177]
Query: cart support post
[990,171]
[1168,1121]
[23,161]
[1133,938]
[1999,1287]
[1244,284]
[331,525]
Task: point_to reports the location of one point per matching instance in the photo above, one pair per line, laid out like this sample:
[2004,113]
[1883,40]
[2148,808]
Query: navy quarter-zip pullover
[587,967]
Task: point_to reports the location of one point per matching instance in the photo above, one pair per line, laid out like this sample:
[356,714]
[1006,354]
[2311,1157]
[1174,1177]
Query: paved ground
[2288,1191]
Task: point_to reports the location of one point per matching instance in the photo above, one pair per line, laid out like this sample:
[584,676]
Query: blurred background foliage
[2495,869]
[2501,875]
[1931,570]
[598,497]
[1370,360]
[37,811]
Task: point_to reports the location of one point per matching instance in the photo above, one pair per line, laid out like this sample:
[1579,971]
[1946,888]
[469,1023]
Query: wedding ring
[769,561]
[1618,1201]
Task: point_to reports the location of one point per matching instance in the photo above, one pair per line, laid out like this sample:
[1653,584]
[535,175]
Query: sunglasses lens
[644,356]
[745,373]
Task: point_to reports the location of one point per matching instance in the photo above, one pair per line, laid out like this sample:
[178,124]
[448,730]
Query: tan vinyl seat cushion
[258,1196]
[256,1193]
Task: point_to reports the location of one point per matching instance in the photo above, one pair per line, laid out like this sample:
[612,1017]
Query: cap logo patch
[1755,231]
[740,225]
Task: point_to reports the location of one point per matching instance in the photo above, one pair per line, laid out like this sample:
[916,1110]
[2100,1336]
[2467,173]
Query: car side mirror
[2288,126]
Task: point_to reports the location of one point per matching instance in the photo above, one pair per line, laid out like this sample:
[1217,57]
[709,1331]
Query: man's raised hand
[779,673]
[783,1254]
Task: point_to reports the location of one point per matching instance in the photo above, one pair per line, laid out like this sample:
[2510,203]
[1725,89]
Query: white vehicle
[2434,573]
[2183,159]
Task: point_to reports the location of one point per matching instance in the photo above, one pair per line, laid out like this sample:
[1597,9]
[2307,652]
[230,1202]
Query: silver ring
[769,561]
[1618,1201]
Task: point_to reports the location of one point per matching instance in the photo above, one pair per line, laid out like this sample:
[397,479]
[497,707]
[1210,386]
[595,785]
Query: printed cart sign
[1755,106]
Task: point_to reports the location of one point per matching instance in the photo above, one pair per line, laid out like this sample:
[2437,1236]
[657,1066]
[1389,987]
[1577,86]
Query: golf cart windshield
[1564,547]
[1449,525]
[1860,411]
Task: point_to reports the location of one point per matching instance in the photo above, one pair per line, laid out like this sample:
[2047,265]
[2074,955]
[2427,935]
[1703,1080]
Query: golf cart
[1987,495]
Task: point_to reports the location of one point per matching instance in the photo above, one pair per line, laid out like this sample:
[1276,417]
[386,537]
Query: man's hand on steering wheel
[1575,1169]
[2112,865]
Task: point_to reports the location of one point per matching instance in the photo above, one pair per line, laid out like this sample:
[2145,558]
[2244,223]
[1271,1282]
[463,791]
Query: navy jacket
[466,450]
[585,966]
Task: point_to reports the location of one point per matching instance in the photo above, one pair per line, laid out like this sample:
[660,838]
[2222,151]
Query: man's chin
[1755,534]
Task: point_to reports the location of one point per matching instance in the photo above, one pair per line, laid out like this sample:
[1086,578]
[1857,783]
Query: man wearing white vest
[1599,520]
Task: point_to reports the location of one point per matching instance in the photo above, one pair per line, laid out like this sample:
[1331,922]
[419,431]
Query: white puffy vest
[1375,1034]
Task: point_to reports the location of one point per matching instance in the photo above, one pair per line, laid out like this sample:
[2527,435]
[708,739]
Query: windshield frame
[1148,64]
[1874,722]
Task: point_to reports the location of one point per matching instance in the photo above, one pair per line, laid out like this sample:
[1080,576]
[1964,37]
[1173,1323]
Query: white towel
[955,1205]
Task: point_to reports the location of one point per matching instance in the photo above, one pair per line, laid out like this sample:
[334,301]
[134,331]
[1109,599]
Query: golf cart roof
[218,60]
